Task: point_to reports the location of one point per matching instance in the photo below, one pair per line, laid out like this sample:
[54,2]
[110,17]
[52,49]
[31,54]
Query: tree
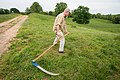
[45,13]
[93,16]
[60,7]
[4,11]
[98,15]
[1,11]
[52,13]
[36,8]
[81,15]
[27,11]
[113,18]
[109,17]
[116,20]
[14,10]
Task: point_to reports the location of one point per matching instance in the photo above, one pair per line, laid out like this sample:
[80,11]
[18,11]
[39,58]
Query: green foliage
[5,17]
[98,15]
[52,13]
[27,11]
[116,20]
[4,11]
[93,16]
[14,10]
[45,13]
[60,7]
[90,54]
[36,8]
[81,15]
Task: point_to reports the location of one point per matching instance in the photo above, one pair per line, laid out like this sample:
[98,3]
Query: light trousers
[62,41]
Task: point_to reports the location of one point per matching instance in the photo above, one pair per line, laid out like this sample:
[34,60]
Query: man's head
[67,12]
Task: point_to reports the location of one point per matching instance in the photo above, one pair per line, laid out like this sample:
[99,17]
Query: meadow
[92,51]
[5,17]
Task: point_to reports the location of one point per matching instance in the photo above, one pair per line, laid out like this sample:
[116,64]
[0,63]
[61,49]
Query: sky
[96,6]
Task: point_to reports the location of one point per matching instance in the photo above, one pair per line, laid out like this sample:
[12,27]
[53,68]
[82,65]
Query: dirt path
[8,30]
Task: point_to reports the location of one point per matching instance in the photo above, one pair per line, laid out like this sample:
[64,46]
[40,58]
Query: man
[60,27]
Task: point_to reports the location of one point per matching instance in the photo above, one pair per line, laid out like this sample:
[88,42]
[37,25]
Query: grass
[104,25]
[5,17]
[90,54]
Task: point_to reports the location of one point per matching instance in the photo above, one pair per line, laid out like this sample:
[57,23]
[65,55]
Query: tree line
[7,11]
[80,15]
[114,18]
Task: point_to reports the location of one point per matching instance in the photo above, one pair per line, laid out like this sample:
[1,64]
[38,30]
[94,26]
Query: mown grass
[89,54]
[6,17]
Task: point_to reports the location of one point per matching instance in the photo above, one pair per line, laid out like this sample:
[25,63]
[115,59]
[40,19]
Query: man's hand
[67,32]
[58,33]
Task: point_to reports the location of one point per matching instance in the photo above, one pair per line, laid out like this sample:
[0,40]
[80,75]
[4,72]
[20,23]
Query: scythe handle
[48,49]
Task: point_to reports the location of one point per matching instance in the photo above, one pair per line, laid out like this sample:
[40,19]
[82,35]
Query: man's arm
[57,28]
[59,21]
[65,29]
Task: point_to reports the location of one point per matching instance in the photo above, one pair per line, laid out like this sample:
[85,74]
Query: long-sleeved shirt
[60,23]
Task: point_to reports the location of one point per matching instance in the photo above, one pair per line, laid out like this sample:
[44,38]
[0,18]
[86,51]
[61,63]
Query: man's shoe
[61,51]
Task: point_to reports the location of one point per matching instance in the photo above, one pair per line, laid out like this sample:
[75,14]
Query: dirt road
[8,31]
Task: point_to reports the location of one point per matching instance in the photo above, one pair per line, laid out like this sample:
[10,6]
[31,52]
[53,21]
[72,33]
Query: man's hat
[67,9]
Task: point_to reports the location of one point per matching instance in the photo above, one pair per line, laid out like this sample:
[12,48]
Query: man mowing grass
[60,28]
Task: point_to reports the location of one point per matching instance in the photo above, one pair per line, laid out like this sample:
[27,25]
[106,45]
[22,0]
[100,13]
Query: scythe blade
[42,69]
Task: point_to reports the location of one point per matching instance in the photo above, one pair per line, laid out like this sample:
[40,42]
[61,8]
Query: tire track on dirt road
[9,32]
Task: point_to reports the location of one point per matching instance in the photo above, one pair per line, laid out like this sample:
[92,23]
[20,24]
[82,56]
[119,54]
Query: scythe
[38,66]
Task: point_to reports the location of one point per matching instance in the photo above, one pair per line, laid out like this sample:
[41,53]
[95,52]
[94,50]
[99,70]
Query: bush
[52,13]
[116,20]
[87,22]
[60,7]
[81,15]
[36,8]
[14,10]
[27,11]
[4,11]
[45,13]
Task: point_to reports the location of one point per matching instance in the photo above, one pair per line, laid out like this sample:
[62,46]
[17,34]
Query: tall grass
[5,17]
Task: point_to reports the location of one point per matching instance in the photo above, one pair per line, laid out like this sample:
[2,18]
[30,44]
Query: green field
[92,51]
[104,25]
[5,17]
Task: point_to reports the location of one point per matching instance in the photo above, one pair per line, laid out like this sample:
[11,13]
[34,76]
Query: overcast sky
[96,6]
